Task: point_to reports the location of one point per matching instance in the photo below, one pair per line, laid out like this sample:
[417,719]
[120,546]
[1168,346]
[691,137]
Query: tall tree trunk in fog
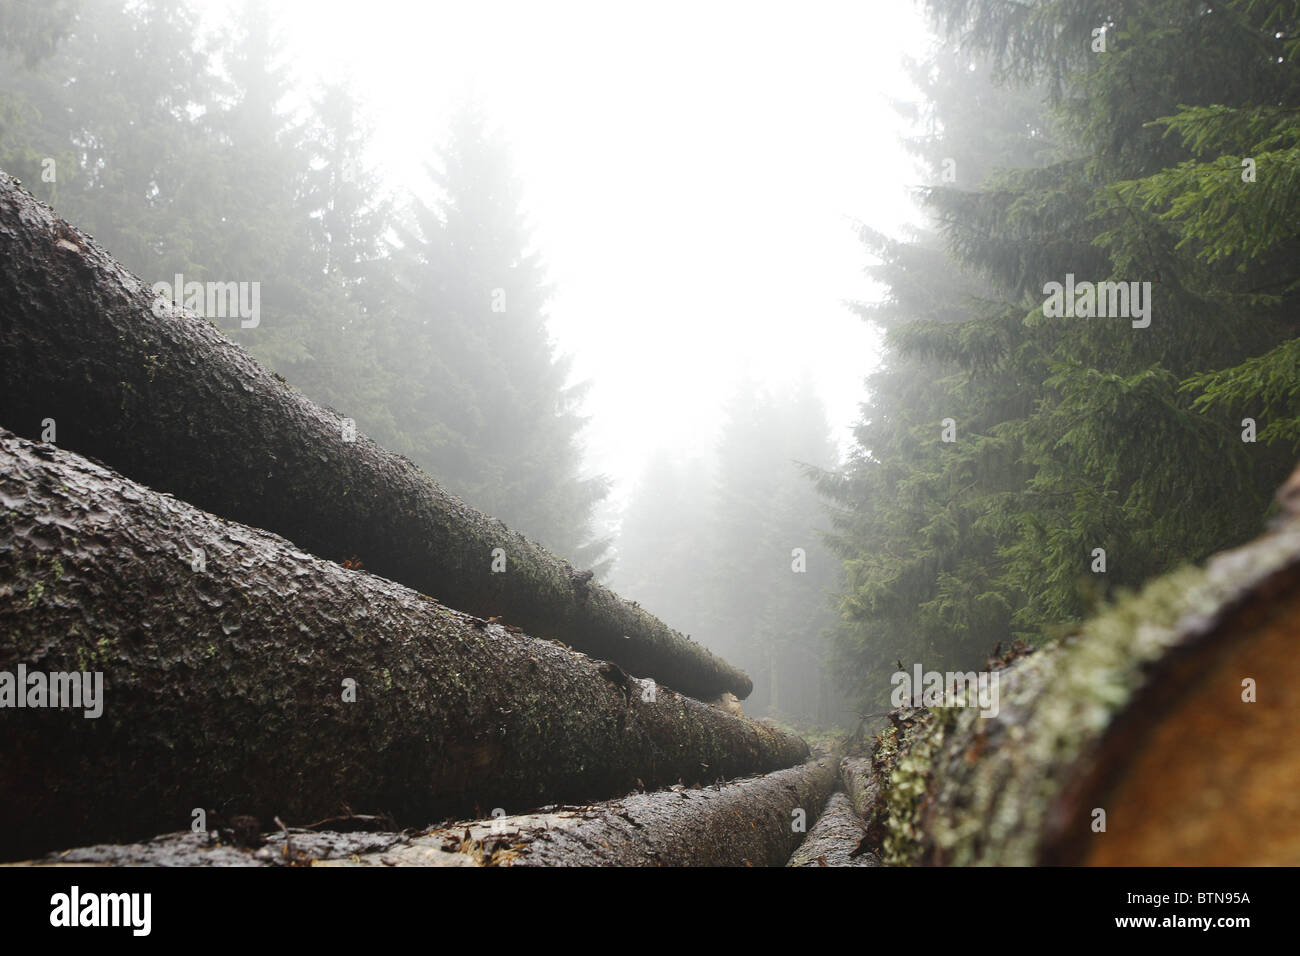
[171,402]
[241,675]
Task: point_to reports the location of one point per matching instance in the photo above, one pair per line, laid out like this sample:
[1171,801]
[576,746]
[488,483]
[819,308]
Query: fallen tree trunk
[270,682]
[1162,733]
[862,786]
[294,846]
[839,838]
[172,403]
[745,822]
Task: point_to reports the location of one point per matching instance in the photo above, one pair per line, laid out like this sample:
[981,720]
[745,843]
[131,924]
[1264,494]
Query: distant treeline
[729,548]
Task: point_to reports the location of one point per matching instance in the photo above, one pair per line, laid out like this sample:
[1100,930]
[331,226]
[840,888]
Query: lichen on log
[1161,732]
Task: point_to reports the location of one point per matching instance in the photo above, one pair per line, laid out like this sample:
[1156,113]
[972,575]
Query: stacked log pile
[273,682]
[170,402]
[247,676]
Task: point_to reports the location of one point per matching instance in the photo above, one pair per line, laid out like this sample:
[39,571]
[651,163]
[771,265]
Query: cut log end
[1162,733]
[1197,773]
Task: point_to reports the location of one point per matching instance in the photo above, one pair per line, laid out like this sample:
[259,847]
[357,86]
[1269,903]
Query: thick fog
[685,184]
[692,171]
[518,433]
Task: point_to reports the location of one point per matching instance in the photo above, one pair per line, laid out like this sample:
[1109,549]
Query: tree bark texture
[747,822]
[227,687]
[839,838]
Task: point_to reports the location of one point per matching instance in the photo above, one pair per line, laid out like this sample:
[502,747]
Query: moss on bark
[1115,719]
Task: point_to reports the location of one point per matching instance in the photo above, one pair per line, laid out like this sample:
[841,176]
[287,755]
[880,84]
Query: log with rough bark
[262,680]
[171,402]
[292,846]
[861,785]
[839,838]
[1162,733]
[747,822]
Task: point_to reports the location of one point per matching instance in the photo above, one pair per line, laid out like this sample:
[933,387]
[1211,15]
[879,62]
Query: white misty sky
[691,170]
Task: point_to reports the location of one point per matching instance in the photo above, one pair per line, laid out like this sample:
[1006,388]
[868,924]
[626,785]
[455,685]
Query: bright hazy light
[692,172]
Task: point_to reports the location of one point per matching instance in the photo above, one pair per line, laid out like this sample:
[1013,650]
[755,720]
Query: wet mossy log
[746,822]
[224,686]
[172,403]
[1170,718]
[839,838]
